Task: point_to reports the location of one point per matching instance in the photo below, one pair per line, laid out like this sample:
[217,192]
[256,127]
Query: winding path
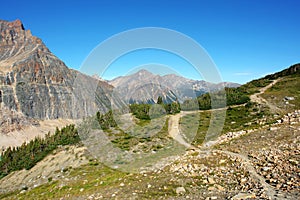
[257,98]
[269,189]
[174,132]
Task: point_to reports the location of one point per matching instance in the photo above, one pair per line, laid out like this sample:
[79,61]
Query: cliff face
[37,84]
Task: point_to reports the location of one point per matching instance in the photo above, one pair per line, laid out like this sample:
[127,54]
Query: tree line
[229,97]
[28,154]
[149,111]
[106,120]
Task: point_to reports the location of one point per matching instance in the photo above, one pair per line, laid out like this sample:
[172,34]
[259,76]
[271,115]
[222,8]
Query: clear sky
[246,38]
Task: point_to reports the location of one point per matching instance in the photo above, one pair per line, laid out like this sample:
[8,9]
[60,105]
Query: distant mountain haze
[144,86]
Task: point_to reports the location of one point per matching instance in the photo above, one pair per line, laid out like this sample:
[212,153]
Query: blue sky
[246,38]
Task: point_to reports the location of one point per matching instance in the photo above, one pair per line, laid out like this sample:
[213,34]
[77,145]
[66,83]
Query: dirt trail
[260,100]
[269,190]
[175,134]
[174,131]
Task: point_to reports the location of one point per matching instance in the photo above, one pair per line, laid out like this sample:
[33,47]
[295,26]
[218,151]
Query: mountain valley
[149,146]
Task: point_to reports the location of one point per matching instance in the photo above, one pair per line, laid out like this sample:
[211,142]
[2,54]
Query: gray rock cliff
[37,84]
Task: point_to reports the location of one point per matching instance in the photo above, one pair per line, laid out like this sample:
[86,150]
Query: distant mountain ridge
[144,86]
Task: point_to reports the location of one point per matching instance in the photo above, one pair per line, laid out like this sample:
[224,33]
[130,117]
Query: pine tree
[159,100]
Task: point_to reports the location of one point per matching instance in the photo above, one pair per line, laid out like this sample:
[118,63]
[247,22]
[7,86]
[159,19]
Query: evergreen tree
[28,154]
[159,100]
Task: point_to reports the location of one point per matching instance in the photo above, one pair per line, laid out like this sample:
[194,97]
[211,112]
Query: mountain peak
[16,40]
[143,72]
[34,82]
[13,30]
[16,24]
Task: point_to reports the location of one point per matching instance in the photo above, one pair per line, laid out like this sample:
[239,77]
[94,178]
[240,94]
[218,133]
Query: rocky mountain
[144,86]
[34,83]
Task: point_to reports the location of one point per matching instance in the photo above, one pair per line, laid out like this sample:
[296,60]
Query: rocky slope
[143,86]
[261,162]
[36,84]
[240,166]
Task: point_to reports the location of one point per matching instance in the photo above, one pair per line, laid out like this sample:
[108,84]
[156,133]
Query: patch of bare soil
[18,137]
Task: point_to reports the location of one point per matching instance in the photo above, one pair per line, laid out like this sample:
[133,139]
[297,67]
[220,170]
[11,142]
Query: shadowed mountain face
[35,83]
[143,86]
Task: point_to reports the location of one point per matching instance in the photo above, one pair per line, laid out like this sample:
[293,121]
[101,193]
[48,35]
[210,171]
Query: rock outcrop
[36,84]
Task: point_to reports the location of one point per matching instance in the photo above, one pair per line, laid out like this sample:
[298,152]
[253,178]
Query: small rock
[22,191]
[266,169]
[211,180]
[289,183]
[180,190]
[294,162]
[222,162]
[211,188]
[273,128]
[243,180]
[220,188]
[273,180]
[24,187]
[241,196]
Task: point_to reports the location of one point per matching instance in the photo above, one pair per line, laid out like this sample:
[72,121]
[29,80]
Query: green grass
[289,86]
[246,117]
[254,86]
[128,139]
[90,178]
[123,140]
[101,180]
[188,126]
[196,126]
